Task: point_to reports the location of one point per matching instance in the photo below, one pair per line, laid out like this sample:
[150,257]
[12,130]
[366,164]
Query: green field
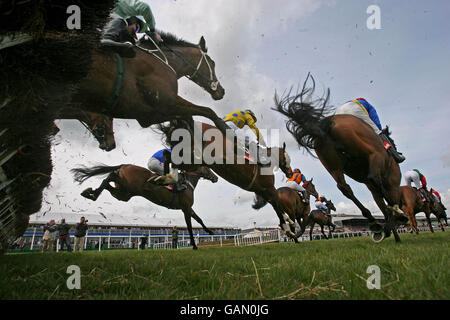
[417,268]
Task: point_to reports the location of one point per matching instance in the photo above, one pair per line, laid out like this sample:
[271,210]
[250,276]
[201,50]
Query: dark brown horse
[242,172]
[346,145]
[291,203]
[412,204]
[100,125]
[322,219]
[131,181]
[149,90]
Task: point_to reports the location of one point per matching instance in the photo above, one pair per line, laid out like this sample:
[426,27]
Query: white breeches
[294,185]
[321,206]
[412,176]
[356,110]
[158,167]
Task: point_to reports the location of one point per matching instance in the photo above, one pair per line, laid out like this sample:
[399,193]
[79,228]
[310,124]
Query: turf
[416,268]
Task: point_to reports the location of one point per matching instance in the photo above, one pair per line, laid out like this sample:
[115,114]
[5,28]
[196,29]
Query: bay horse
[131,181]
[317,216]
[99,125]
[412,204]
[291,203]
[149,90]
[246,174]
[346,145]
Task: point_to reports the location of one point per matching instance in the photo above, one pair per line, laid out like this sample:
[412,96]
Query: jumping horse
[177,55]
[145,87]
[247,174]
[346,145]
[131,181]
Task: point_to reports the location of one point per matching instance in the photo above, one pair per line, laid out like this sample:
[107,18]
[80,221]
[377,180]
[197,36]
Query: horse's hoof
[377,237]
[195,247]
[87,193]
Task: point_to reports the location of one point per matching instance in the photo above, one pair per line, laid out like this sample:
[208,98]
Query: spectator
[64,236]
[143,241]
[174,238]
[80,234]
[49,236]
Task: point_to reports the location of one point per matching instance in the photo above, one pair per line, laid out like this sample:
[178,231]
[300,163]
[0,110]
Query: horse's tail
[83,173]
[308,117]
[258,202]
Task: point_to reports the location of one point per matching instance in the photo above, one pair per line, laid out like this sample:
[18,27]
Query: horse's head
[206,173]
[437,208]
[330,205]
[284,161]
[203,71]
[311,188]
[101,126]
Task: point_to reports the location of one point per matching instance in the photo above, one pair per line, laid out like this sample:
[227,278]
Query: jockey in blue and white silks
[156,165]
[362,109]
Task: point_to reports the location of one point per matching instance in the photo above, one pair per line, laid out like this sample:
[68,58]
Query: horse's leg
[311,227]
[427,215]
[197,218]
[388,216]
[91,194]
[187,217]
[189,109]
[347,191]
[323,232]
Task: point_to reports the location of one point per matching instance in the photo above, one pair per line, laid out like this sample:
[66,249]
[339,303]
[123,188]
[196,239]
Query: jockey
[129,8]
[419,181]
[238,119]
[362,109]
[156,165]
[120,34]
[321,204]
[294,182]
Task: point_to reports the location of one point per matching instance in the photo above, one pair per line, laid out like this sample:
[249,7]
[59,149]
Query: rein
[158,49]
[255,174]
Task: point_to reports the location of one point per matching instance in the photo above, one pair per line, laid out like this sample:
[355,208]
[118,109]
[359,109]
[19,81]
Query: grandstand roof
[102,219]
[111,219]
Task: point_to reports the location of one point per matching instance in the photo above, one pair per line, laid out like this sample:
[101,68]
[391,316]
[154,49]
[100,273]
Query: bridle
[94,131]
[212,84]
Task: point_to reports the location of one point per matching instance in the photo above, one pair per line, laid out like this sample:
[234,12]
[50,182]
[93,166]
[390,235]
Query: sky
[265,46]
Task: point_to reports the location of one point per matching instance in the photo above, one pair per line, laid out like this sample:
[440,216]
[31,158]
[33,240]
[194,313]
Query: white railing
[257,237]
[168,245]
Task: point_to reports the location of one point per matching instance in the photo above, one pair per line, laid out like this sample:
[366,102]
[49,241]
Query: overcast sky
[260,46]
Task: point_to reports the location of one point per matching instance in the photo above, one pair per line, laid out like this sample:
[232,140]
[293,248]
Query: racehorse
[131,181]
[100,125]
[346,145]
[317,216]
[247,175]
[412,204]
[145,87]
[291,203]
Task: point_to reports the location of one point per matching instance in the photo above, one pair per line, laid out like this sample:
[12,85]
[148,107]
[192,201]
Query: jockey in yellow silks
[238,119]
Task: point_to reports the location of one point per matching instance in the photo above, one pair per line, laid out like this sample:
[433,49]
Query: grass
[416,268]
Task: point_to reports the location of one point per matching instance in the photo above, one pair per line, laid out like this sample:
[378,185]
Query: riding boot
[180,185]
[389,146]
[305,196]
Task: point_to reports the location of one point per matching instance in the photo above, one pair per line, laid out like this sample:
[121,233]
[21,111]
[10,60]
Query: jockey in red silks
[419,181]
[362,109]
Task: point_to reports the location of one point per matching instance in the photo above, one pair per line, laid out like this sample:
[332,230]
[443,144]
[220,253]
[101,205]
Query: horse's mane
[171,40]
